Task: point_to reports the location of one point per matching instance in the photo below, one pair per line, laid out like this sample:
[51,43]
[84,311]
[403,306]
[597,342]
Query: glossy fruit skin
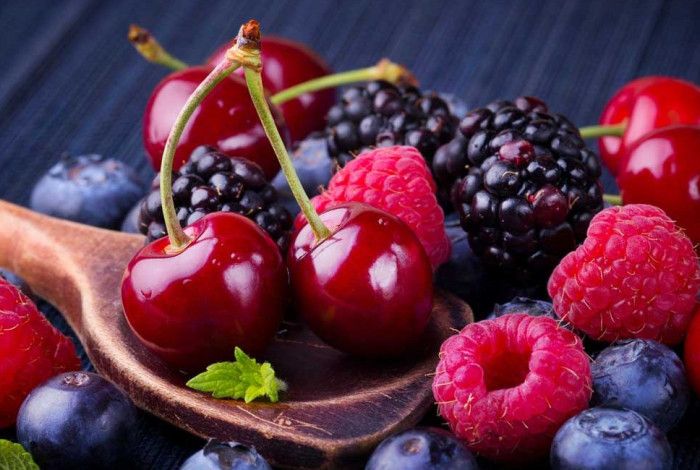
[367,289]
[218,455]
[422,449]
[227,288]
[226,119]
[644,376]
[663,169]
[78,420]
[646,104]
[88,189]
[691,353]
[287,63]
[611,438]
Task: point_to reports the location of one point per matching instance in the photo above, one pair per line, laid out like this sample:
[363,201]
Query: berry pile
[213,182]
[528,189]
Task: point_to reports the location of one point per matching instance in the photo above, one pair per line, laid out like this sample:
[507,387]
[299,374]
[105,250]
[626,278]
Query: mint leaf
[244,378]
[14,457]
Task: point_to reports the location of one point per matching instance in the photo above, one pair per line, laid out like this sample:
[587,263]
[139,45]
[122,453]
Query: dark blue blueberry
[610,438]
[88,189]
[463,274]
[314,167]
[536,308]
[130,224]
[77,420]
[218,455]
[422,449]
[644,376]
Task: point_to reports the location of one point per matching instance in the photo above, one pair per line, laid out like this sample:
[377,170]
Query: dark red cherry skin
[226,119]
[646,104]
[367,289]
[288,63]
[663,169]
[227,288]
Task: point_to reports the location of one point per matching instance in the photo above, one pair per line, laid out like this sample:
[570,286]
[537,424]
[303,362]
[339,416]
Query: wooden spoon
[336,410]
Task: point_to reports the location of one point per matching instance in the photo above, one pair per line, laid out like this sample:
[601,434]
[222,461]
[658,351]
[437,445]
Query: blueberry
[610,438]
[644,376]
[77,420]
[424,449]
[217,455]
[88,189]
[314,167]
[536,308]
[130,224]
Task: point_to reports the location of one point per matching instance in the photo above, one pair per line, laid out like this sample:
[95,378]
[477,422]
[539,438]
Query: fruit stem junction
[178,238]
[383,70]
[151,50]
[608,130]
[249,56]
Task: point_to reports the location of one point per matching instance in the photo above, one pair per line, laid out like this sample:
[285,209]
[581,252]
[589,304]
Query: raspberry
[31,351]
[395,179]
[635,276]
[506,385]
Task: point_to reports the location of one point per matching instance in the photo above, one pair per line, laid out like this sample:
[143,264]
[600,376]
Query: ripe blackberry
[210,182]
[380,114]
[529,186]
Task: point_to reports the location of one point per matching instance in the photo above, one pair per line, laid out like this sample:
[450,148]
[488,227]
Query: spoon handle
[62,260]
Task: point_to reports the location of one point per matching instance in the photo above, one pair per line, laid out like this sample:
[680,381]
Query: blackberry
[381,114]
[210,182]
[527,186]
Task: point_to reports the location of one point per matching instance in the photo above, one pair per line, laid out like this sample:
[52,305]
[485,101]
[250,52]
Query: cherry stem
[608,130]
[383,70]
[252,64]
[614,199]
[151,50]
[178,237]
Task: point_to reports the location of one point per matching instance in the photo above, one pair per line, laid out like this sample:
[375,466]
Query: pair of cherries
[226,118]
[359,276]
[655,157]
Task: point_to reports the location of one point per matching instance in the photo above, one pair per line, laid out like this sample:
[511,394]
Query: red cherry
[289,63]
[226,288]
[367,288]
[225,119]
[646,104]
[691,353]
[663,169]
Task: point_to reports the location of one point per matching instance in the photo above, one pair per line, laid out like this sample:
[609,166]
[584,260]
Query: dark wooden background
[69,81]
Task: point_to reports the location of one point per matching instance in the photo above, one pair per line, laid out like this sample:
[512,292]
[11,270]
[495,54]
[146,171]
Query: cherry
[367,288]
[225,119]
[663,169]
[193,306]
[691,353]
[289,63]
[193,296]
[639,107]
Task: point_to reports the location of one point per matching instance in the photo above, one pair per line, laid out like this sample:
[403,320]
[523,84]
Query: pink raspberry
[635,276]
[506,385]
[397,180]
[31,351]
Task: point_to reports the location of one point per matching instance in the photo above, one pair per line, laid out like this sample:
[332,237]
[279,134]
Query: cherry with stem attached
[221,283]
[360,277]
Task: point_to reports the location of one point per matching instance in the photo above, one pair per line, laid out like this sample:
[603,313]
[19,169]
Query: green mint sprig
[244,378]
[14,457]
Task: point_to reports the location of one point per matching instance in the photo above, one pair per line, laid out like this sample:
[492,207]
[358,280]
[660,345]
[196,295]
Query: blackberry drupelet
[212,181]
[380,114]
[529,186]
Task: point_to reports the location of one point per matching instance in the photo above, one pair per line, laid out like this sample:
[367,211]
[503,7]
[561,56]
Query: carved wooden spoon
[336,410]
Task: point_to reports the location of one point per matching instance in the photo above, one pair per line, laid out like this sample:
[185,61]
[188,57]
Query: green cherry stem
[253,65]
[178,238]
[608,130]
[614,199]
[383,70]
[151,50]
